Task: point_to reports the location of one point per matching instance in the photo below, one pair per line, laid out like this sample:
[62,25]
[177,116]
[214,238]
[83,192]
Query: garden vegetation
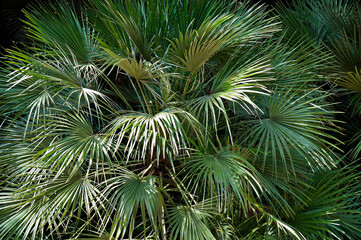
[183,119]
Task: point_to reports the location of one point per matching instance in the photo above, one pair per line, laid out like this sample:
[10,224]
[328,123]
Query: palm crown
[170,120]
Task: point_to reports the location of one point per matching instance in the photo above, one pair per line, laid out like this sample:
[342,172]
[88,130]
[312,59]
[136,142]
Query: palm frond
[127,193]
[318,20]
[315,217]
[189,222]
[140,70]
[160,136]
[59,26]
[77,141]
[297,63]
[196,46]
[125,31]
[53,81]
[347,51]
[220,176]
[351,81]
[234,84]
[47,204]
[294,122]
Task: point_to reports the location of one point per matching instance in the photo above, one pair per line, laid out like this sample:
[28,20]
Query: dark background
[11,25]
[10,21]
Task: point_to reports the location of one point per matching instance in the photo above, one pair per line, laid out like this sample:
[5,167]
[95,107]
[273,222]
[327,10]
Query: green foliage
[180,120]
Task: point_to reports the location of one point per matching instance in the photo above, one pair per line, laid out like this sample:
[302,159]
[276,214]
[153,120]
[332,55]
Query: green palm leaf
[60,27]
[161,135]
[188,222]
[234,84]
[220,175]
[76,142]
[294,122]
[127,192]
[49,204]
[195,47]
[125,31]
[347,51]
[329,201]
[56,81]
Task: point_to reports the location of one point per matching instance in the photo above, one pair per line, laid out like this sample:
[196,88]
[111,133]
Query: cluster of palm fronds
[182,119]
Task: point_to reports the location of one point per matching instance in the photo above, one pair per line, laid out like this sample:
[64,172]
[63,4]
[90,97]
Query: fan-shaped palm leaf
[347,51]
[294,122]
[161,135]
[232,85]
[76,142]
[195,47]
[59,27]
[49,203]
[221,175]
[127,192]
[49,82]
[188,222]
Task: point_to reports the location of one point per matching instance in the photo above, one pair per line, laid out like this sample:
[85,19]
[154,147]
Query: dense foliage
[183,119]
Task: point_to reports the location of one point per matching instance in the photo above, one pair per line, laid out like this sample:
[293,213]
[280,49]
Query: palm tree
[170,120]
